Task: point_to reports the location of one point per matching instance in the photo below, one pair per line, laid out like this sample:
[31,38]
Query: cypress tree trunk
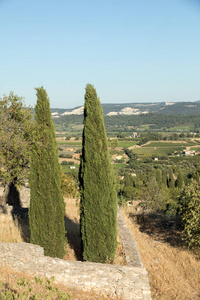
[47,210]
[98,194]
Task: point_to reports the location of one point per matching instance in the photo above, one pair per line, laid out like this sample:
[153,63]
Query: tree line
[155,121]
[38,161]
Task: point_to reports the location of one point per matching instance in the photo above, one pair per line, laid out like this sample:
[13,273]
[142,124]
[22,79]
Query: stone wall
[128,282]
[11,196]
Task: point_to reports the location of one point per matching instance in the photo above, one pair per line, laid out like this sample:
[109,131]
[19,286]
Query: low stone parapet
[129,244]
[126,282]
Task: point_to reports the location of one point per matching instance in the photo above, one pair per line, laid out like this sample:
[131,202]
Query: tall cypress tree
[158,175]
[46,213]
[164,177]
[171,181]
[98,194]
[179,180]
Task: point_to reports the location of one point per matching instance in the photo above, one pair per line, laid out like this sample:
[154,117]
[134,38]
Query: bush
[68,186]
[78,150]
[65,155]
[67,162]
[189,202]
[118,161]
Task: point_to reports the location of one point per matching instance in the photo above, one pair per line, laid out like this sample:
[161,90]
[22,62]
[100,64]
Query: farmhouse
[189,152]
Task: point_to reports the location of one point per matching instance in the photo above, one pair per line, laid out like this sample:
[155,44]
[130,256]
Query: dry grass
[120,254]
[174,272]
[10,231]
[72,225]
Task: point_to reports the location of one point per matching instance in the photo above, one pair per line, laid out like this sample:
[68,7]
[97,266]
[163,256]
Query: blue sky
[130,50]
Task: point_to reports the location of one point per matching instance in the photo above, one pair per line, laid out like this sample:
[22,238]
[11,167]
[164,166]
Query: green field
[70,144]
[185,128]
[127,143]
[162,144]
[152,151]
[66,168]
[195,148]
[119,165]
[158,150]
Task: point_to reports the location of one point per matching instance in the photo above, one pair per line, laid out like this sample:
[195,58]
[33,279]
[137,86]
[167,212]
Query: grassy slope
[174,272]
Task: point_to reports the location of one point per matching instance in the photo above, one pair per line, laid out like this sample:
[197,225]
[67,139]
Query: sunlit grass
[127,143]
[174,271]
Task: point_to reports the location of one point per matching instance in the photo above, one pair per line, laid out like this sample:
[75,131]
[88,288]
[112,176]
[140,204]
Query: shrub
[67,162]
[68,186]
[65,155]
[189,204]
[78,150]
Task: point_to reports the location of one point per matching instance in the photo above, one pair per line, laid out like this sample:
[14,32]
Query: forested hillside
[152,121]
[177,108]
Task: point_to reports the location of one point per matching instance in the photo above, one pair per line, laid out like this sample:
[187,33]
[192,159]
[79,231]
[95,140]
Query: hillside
[175,108]
[181,116]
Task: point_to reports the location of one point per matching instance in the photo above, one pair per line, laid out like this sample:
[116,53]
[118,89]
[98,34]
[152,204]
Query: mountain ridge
[114,109]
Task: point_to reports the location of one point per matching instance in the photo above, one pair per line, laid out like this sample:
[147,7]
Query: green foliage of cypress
[164,177]
[159,176]
[171,181]
[97,189]
[47,210]
[179,181]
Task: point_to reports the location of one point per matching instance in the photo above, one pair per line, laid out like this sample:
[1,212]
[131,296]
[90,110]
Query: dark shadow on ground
[73,237]
[21,215]
[12,195]
[160,227]
[3,209]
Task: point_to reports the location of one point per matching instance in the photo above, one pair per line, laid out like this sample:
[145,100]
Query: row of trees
[161,122]
[47,209]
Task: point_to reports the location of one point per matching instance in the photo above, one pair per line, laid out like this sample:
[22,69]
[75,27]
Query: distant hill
[175,108]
